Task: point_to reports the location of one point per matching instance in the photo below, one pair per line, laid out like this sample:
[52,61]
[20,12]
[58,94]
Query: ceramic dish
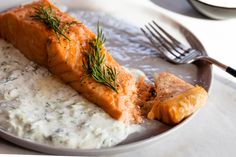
[214,11]
[128,45]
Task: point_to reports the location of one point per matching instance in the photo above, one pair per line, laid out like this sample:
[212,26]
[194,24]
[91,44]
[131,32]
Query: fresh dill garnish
[48,17]
[93,63]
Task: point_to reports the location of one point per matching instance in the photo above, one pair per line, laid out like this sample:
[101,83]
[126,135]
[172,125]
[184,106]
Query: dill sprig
[48,17]
[93,63]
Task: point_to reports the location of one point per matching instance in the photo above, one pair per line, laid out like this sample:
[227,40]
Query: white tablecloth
[212,132]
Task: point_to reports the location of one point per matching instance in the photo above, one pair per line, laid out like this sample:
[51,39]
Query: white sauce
[221,3]
[38,107]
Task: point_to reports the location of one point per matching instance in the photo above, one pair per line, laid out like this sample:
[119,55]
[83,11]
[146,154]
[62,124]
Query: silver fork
[174,51]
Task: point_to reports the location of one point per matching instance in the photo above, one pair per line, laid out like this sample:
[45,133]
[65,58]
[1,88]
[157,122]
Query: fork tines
[163,41]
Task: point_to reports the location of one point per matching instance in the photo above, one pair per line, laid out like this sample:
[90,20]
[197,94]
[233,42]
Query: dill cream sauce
[36,106]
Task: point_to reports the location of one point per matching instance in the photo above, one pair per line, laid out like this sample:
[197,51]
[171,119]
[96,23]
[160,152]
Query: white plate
[126,43]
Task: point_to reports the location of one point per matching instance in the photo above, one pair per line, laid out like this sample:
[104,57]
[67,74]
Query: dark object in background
[179,6]
[213,11]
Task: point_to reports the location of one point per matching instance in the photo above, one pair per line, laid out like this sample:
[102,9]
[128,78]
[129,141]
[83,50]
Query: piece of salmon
[170,100]
[175,99]
[64,58]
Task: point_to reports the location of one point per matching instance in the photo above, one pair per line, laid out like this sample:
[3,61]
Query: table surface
[211,133]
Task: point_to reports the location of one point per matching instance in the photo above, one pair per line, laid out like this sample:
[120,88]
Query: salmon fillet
[64,58]
[175,99]
[170,100]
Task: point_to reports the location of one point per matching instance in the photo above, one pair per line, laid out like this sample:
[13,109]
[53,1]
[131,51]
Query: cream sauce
[36,106]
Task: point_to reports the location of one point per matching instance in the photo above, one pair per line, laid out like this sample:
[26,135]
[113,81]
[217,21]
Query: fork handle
[231,71]
[228,69]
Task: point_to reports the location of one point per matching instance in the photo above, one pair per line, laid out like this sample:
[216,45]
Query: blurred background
[179,6]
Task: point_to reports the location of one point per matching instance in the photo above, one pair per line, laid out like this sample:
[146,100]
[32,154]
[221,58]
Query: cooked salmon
[170,100]
[64,57]
[175,99]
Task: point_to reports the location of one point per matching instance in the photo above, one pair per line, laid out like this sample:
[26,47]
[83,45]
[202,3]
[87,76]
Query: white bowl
[214,10]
